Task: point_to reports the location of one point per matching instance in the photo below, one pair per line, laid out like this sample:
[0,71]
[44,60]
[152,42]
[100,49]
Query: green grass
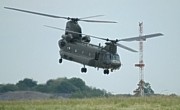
[111,103]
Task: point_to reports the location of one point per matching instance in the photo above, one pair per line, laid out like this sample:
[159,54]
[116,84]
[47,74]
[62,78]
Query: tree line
[75,87]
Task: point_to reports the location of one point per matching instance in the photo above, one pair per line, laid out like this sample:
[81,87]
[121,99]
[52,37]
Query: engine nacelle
[62,43]
[86,39]
[68,37]
[111,47]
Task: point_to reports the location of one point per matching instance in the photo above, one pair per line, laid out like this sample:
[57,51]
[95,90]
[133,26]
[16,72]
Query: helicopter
[75,46]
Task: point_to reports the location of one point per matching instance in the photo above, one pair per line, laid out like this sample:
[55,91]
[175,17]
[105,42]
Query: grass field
[111,103]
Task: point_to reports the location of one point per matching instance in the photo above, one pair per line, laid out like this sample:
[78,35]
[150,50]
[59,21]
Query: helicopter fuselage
[89,54]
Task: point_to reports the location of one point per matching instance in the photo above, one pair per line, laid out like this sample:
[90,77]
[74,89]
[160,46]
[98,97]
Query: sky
[30,50]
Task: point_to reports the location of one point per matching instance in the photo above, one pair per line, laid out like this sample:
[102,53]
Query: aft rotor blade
[74,32]
[91,17]
[37,13]
[125,47]
[62,29]
[144,37]
[98,21]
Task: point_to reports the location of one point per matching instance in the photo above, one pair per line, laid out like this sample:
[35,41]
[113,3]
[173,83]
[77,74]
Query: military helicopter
[75,46]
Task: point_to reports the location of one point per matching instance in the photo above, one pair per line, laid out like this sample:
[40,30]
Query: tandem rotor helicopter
[75,46]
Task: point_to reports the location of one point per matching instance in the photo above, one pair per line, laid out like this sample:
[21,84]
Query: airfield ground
[110,103]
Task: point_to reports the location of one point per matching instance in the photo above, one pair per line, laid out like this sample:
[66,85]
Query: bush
[7,88]
[26,84]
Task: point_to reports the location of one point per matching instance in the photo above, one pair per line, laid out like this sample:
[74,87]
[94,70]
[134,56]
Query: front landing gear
[106,71]
[83,70]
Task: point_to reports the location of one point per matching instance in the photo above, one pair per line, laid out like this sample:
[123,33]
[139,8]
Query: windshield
[117,57]
[109,56]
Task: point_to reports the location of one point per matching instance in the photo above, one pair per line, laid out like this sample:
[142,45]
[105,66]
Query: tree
[7,88]
[42,88]
[75,87]
[26,84]
[55,82]
[147,89]
[66,87]
[53,85]
[79,83]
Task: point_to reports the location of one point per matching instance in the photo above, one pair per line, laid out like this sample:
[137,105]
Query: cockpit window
[107,57]
[114,57]
[117,57]
[111,57]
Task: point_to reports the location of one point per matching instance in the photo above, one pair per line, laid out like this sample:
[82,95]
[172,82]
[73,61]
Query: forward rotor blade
[37,13]
[54,16]
[144,37]
[124,47]
[74,32]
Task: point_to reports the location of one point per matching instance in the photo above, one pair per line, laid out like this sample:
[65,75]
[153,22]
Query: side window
[82,52]
[68,48]
[97,55]
[75,50]
[89,54]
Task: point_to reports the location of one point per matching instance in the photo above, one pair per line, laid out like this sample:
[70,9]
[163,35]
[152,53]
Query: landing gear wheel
[84,70]
[106,71]
[60,60]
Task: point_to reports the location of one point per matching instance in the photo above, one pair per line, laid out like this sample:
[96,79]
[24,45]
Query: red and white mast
[141,63]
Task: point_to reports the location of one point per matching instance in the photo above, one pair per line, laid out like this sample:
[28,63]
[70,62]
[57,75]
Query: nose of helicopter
[116,64]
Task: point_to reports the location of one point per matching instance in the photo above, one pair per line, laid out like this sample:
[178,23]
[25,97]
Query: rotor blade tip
[161,34]
[6,7]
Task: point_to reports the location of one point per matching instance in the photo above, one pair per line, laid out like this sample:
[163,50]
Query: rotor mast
[141,64]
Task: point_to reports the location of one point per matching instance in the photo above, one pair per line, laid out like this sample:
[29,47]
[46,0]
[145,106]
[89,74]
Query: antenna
[140,65]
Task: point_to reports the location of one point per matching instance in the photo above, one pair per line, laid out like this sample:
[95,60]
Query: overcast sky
[30,50]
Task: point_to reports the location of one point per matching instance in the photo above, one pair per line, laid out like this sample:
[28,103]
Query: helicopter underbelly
[77,58]
[90,61]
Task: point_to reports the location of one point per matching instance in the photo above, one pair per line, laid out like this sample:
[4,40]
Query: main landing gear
[106,71]
[84,69]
